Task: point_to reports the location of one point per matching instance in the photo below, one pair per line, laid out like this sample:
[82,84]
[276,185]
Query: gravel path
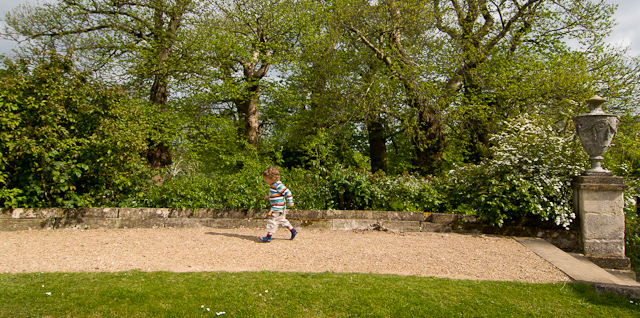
[188,250]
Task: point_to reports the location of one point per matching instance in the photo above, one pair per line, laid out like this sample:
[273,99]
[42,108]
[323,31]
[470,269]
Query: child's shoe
[266,239]
[293,234]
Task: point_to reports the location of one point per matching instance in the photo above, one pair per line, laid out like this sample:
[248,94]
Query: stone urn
[596,131]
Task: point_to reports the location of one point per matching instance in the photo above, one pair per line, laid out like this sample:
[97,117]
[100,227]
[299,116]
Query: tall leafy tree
[66,139]
[397,33]
[245,41]
[466,38]
[483,31]
[143,41]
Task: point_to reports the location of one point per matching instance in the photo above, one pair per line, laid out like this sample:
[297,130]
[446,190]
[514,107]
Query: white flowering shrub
[534,151]
[529,175]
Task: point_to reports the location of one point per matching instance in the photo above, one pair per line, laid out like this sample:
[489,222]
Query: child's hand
[290,203]
[269,212]
[266,198]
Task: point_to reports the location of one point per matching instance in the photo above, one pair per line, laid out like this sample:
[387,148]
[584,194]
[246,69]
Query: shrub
[310,188]
[632,225]
[529,175]
[238,190]
[66,140]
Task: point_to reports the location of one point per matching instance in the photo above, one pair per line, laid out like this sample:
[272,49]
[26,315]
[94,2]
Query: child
[279,195]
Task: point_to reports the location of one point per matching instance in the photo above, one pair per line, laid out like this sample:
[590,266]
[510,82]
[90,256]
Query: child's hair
[272,173]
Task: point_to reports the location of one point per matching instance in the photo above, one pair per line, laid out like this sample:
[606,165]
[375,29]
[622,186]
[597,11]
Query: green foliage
[623,157]
[632,225]
[632,239]
[351,189]
[243,189]
[208,144]
[66,140]
[310,188]
[529,175]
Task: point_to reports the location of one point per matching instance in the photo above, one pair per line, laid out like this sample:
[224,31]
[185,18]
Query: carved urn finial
[595,105]
[596,131]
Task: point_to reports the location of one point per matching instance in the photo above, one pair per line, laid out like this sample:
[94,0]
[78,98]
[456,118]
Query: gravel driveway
[477,257]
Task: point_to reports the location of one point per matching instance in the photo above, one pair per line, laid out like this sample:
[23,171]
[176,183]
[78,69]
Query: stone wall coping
[599,183]
[165,213]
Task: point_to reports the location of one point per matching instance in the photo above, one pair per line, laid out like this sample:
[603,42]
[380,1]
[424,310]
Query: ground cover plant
[273,294]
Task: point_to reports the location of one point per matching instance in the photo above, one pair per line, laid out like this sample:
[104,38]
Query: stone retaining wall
[122,218]
[119,218]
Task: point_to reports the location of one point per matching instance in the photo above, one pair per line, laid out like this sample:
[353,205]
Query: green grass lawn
[274,294]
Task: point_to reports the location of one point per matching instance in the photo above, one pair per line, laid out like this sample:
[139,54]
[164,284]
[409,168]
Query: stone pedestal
[599,202]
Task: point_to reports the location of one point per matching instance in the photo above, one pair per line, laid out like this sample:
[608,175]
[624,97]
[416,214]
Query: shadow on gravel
[251,238]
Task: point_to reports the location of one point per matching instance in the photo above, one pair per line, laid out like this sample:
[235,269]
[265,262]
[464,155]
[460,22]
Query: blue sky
[626,33]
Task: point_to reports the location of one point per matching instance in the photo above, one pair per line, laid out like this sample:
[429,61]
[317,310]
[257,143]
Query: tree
[481,30]
[245,39]
[66,139]
[143,41]
[466,37]
[335,89]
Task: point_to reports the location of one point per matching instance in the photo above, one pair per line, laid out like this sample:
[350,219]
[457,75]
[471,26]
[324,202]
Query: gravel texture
[477,257]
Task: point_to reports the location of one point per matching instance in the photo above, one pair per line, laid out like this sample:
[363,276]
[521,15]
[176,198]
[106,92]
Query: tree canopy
[416,85]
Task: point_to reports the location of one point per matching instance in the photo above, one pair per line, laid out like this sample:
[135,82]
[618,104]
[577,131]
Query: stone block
[603,227]
[603,248]
[97,212]
[185,222]
[443,218]
[143,213]
[5,213]
[469,218]
[312,224]
[349,214]
[236,213]
[400,216]
[35,213]
[203,213]
[599,183]
[434,227]
[20,213]
[139,222]
[95,223]
[615,265]
[305,214]
[351,224]
[221,213]
[182,213]
[402,226]
[163,213]
[606,202]
[23,224]
[53,212]
[630,292]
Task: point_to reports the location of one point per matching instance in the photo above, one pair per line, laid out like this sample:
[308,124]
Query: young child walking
[278,197]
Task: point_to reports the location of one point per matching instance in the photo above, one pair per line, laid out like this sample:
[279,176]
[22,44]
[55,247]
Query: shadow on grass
[589,294]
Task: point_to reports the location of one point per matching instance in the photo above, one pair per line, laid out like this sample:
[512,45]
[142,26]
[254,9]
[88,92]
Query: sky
[626,33]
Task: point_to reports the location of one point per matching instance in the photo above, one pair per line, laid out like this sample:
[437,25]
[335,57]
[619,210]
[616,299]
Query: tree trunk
[477,143]
[249,116]
[158,152]
[476,121]
[429,141]
[377,143]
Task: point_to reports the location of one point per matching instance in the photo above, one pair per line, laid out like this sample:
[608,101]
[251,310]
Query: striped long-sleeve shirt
[279,195]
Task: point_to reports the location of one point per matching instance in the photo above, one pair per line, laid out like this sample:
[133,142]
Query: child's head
[272,173]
